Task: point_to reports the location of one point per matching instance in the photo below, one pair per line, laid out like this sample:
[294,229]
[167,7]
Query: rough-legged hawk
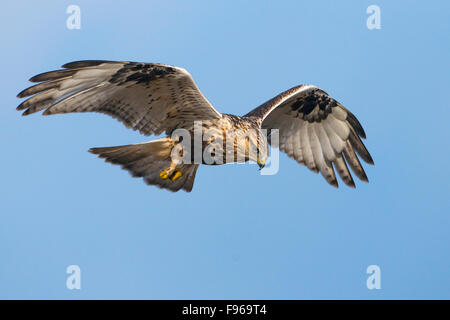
[313,128]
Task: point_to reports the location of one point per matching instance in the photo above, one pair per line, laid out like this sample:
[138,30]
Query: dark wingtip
[34,78]
[21,106]
[354,122]
[29,111]
[83,64]
[368,158]
[94,150]
[350,184]
[364,178]
[22,94]
[52,75]
[334,183]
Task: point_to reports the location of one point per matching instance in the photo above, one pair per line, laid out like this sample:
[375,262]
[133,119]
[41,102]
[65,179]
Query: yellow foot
[171,173]
[176,175]
[164,175]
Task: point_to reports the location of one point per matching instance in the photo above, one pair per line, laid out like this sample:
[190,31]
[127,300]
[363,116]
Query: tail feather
[148,160]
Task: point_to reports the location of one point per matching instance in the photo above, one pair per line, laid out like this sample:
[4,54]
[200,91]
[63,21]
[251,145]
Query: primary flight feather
[314,129]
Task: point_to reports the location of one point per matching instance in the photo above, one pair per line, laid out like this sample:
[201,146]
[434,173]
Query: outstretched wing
[148,97]
[316,131]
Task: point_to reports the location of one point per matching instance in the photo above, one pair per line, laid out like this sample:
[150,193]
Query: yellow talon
[164,175]
[176,175]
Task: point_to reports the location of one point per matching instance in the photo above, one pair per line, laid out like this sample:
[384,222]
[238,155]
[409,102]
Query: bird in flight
[313,128]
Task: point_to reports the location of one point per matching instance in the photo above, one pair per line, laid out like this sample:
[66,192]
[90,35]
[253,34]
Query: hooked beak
[261,163]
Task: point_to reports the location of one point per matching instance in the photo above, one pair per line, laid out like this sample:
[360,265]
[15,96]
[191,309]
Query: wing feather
[325,142]
[309,155]
[298,151]
[325,134]
[336,142]
[148,97]
[354,163]
[343,171]
[325,167]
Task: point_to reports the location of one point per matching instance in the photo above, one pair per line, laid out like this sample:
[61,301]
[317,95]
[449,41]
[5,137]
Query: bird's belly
[217,142]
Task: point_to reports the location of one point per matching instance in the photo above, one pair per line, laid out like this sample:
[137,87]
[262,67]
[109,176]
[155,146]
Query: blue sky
[238,234]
